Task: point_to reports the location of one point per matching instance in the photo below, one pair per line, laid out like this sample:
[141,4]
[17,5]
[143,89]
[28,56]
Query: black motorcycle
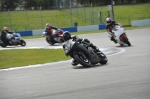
[83,53]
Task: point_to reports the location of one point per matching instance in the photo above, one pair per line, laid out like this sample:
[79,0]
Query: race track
[125,76]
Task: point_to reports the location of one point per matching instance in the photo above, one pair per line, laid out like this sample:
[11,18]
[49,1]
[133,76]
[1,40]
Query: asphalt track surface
[125,76]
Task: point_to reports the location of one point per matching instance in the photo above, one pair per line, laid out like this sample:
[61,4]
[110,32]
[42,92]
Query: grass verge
[25,57]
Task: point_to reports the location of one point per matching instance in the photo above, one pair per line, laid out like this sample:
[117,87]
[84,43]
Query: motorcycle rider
[4,35]
[49,31]
[109,26]
[67,36]
[49,28]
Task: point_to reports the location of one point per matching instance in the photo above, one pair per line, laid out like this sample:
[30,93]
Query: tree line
[58,4]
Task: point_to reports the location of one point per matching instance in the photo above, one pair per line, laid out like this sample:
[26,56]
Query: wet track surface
[125,76]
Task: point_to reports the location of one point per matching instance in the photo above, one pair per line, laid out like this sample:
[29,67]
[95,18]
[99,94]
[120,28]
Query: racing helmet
[5,28]
[66,35]
[47,25]
[108,20]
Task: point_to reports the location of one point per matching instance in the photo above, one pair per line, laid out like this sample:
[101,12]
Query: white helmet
[5,28]
[108,20]
[47,25]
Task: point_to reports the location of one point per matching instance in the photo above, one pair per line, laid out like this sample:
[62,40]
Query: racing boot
[112,39]
[74,62]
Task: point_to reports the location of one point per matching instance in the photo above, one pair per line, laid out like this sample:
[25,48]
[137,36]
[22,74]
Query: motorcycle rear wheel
[82,59]
[3,45]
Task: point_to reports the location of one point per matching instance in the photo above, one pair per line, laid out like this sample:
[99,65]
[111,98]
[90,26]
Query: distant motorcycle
[14,40]
[83,53]
[120,35]
[52,39]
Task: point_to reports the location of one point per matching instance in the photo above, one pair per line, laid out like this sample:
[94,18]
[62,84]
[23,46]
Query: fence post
[9,20]
[27,21]
[71,14]
[84,14]
[91,15]
[41,17]
[100,17]
[108,14]
[112,8]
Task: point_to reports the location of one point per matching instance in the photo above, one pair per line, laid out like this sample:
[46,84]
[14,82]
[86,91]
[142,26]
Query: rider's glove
[74,38]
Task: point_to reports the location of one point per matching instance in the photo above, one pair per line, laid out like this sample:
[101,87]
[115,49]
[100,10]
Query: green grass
[25,57]
[31,20]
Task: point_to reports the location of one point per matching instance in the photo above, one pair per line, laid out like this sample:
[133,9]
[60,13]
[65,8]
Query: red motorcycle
[56,37]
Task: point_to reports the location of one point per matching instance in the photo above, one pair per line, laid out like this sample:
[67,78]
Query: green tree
[9,4]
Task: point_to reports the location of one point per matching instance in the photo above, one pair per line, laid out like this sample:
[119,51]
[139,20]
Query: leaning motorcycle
[14,40]
[120,35]
[83,53]
[52,39]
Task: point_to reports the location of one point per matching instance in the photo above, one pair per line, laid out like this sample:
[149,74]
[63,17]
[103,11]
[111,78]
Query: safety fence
[64,17]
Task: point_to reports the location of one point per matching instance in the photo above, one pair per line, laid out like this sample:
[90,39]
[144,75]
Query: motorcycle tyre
[48,41]
[23,43]
[3,45]
[127,41]
[103,61]
[84,64]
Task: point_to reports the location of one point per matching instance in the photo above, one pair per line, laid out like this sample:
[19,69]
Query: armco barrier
[87,28]
[102,26]
[70,29]
[38,32]
[25,33]
[141,22]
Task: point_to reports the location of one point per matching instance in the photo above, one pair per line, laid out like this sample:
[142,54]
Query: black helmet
[66,35]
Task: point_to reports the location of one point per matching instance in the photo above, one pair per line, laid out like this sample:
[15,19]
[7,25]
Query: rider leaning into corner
[109,26]
[67,36]
[49,31]
[4,35]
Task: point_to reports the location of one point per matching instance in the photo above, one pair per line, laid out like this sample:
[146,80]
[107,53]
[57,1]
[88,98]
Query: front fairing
[67,46]
[118,31]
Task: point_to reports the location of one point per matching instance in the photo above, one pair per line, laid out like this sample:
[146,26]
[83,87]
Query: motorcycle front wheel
[82,59]
[127,41]
[103,60]
[23,43]
[48,39]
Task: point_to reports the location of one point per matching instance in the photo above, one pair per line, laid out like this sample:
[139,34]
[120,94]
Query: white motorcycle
[14,39]
[120,35]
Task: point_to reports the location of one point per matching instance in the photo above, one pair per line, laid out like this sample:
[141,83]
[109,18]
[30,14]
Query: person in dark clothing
[4,35]
[109,26]
[67,36]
